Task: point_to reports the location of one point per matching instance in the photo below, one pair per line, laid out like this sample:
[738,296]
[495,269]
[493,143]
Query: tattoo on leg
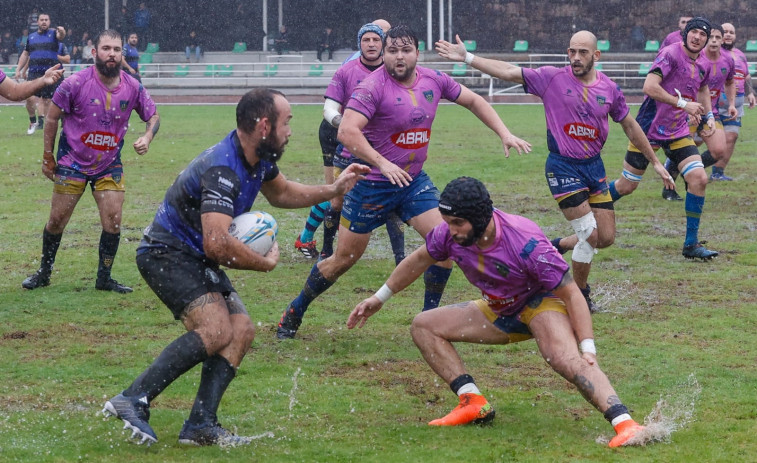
[208,298]
[613,400]
[235,304]
[585,387]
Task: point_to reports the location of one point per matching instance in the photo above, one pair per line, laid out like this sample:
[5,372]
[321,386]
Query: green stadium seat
[459,69]
[9,70]
[644,69]
[239,47]
[316,70]
[751,45]
[145,58]
[224,70]
[752,69]
[470,45]
[421,45]
[652,45]
[182,70]
[521,46]
[603,45]
[271,70]
[598,66]
[210,70]
[152,47]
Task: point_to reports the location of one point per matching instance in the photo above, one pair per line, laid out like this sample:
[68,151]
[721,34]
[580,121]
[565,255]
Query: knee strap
[583,251]
[631,177]
[690,167]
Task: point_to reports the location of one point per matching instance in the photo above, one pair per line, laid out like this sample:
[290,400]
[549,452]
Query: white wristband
[587,346]
[469,57]
[681,103]
[384,293]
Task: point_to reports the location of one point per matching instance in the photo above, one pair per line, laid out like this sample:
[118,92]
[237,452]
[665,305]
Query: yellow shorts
[516,326]
[72,182]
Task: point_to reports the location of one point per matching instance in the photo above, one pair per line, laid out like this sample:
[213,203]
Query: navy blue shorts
[568,176]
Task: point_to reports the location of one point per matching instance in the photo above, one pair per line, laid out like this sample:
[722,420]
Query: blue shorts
[368,205]
[568,176]
[69,181]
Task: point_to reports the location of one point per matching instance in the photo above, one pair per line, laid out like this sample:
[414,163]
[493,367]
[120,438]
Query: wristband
[709,116]
[384,293]
[469,57]
[587,346]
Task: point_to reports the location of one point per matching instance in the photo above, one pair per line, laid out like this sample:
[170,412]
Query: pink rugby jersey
[742,68]
[576,113]
[521,262]
[721,71]
[2,76]
[96,119]
[400,118]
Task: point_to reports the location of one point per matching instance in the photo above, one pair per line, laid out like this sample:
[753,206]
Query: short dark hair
[401,32]
[108,34]
[255,105]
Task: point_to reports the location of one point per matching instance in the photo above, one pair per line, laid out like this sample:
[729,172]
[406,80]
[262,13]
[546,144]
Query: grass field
[675,336]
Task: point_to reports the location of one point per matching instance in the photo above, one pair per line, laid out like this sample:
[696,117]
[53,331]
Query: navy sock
[615,411]
[41,121]
[435,279]
[717,170]
[50,245]
[330,227]
[217,373]
[315,285]
[108,249]
[176,359]
[33,119]
[694,205]
[395,229]
[614,192]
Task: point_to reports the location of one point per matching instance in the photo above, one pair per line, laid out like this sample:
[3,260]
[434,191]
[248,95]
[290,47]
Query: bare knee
[244,333]
[421,327]
[624,187]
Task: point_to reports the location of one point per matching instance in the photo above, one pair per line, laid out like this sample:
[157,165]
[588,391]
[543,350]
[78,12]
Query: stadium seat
[459,69]
[145,58]
[421,45]
[316,70]
[152,47]
[751,45]
[239,47]
[224,70]
[9,70]
[752,69]
[470,45]
[644,69]
[271,70]
[182,70]
[603,45]
[598,66]
[652,45]
[210,70]
[521,45]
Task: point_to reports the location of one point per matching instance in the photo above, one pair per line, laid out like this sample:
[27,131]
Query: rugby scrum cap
[697,23]
[467,198]
[370,27]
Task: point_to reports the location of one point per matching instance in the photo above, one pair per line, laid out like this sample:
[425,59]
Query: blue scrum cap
[370,27]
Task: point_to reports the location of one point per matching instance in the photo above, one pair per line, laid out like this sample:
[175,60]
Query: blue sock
[613,192]
[395,229]
[694,205]
[435,280]
[717,170]
[315,285]
[314,221]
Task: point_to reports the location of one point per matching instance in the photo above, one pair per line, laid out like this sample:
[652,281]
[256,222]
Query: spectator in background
[31,20]
[327,43]
[87,53]
[70,43]
[638,40]
[21,41]
[193,46]
[123,23]
[6,47]
[142,24]
[281,42]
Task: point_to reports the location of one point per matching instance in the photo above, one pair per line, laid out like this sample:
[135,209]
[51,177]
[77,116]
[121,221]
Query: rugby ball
[256,229]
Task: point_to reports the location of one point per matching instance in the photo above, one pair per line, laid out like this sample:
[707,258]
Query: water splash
[292,399]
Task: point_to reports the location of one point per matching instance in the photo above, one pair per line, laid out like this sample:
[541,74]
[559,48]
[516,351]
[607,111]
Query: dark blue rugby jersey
[218,180]
[43,51]
[131,55]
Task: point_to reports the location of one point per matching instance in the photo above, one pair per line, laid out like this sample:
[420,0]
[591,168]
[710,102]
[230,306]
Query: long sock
[315,285]
[717,170]
[694,205]
[330,227]
[707,159]
[33,119]
[217,373]
[396,230]
[50,244]
[464,384]
[176,359]
[108,249]
[314,221]
[435,279]
[614,192]
[617,414]
[41,121]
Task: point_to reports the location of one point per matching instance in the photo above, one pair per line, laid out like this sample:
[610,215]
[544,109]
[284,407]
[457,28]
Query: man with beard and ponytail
[387,125]
[527,292]
[95,105]
[181,255]
[578,100]
[677,94]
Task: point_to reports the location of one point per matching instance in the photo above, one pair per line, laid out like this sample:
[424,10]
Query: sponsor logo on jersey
[225,182]
[94,101]
[101,141]
[412,139]
[580,131]
[123,104]
[528,248]
[601,100]
[429,94]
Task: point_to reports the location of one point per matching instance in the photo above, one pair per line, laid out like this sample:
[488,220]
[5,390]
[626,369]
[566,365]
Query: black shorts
[327,137]
[676,150]
[47,91]
[178,278]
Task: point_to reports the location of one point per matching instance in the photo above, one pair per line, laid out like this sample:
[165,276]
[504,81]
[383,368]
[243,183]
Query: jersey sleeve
[619,109]
[450,88]
[64,94]
[536,81]
[145,106]
[219,187]
[663,63]
[544,263]
[364,99]
[437,241]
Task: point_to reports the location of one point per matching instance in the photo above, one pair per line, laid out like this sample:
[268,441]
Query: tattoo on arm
[613,400]
[585,387]
[748,89]
[154,127]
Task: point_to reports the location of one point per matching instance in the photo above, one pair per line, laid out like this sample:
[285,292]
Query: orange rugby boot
[473,408]
[626,430]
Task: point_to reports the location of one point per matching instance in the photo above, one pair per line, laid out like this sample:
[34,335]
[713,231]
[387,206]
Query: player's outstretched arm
[287,194]
[636,136]
[496,68]
[403,275]
[20,91]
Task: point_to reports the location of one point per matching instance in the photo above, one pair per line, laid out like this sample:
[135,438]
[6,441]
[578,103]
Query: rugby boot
[586,293]
[210,433]
[697,251]
[720,177]
[473,408]
[134,412]
[626,431]
[39,279]
[671,195]
[32,128]
[112,285]
[308,249]
[288,325]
